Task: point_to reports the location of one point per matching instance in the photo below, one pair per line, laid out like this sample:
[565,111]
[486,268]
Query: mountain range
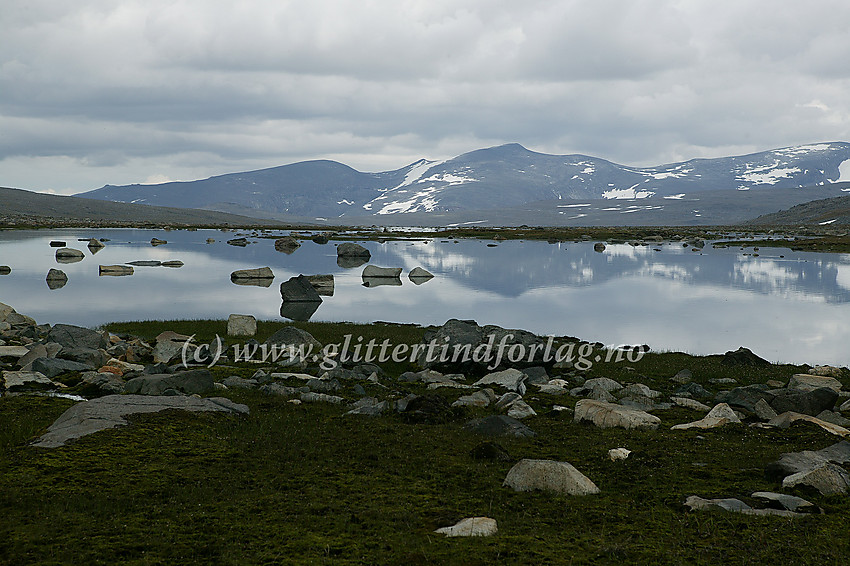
[510,184]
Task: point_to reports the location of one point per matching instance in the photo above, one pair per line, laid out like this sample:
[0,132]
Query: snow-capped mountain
[498,177]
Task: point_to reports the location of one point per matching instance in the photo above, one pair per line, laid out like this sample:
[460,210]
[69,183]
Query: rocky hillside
[823,212]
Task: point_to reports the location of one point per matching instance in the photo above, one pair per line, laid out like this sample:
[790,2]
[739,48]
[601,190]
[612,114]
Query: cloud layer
[95,92]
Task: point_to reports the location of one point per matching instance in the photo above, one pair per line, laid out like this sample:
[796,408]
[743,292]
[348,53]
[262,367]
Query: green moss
[303,484]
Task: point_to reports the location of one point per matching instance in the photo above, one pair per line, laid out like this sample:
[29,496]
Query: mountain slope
[498,177]
[823,212]
[25,207]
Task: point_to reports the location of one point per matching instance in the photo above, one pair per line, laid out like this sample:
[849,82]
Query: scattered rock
[172,263]
[5,270]
[794,462]
[56,279]
[57,244]
[299,289]
[241,325]
[827,371]
[427,409]
[784,501]
[236,382]
[617,454]
[806,382]
[311,397]
[549,475]
[609,415]
[478,399]
[286,245]
[599,247]
[261,276]
[519,410]
[496,426]
[828,479]
[471,527]
[320,239]
[418,275]
[198,381]
[810,402]
[25,381]
[764,411]
[145,263]
[682,377]
[52,367]
[240,242]
[788,418]
[115,270]
[690,404]
[157,242]
[350,249]
[511,379]
[720,415]
[69,255]
[109,412]
[70,337]
[95,245]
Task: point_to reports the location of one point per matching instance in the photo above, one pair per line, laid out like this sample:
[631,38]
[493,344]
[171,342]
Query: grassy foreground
[303,484]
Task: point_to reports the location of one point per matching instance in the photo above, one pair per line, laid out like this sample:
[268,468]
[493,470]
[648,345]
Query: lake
[786,306]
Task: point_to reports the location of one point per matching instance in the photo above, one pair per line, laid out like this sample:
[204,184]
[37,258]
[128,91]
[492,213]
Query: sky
[96,92]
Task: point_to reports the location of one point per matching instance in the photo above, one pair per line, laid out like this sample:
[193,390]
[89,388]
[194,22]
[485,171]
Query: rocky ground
[506,410]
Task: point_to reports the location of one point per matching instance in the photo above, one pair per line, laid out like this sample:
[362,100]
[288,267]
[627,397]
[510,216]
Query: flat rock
[828,479]
[793,462]
[69,336]
[51,367]
[478,399]
[16,352]
[603,383]
[696,503]
[807,382]
[25,380]
[287,244]
[690,404]
[109,412]
[471,527]
[198,381]
[786,419]
[69,255]
[610,415]
[788,502]
[511,379]
[256,273]
[115,270]
[145,263]
[549,475]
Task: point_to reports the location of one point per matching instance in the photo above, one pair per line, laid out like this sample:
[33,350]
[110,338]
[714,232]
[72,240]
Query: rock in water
[157,242]
[56,279]
[418,276]
[95,245]
[350,249]
[69,255]
[115,270]
[299,289]
[286,245]
[259,277]
[324,284]
[240,242]
[5,270]
[549,475]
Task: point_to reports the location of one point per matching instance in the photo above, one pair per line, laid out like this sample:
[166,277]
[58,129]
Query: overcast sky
[96,92]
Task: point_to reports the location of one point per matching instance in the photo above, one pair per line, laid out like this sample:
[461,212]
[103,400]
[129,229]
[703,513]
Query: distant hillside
[497,178]
[823,212]
[24,207]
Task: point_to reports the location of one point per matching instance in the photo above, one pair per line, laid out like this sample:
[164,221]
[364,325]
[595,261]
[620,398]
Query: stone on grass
[603,383]
[477,399]
[241,325]
[198,381]
[696,503]
[828,479]
[617,454]
[609,415]
[785,501]
[519,410]
[471,527]
[690,404]
[108,412]
[311,397]
[25,380]
[764,411]
[720,415]
[549,475]
[511,379]
[793,462]
[788,418]
[499,425]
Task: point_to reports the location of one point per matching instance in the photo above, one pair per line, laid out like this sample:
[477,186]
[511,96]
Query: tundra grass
[304,484]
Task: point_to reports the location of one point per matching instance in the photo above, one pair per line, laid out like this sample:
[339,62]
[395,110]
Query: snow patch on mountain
[629,193]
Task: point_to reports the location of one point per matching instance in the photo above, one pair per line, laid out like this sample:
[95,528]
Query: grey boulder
[198,381]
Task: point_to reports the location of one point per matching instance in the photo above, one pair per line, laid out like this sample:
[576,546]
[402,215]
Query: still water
[793,309]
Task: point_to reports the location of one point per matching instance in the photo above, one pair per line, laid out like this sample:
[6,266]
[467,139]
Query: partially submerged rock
[115,270]
[419,275]
[69,255]
[56,279]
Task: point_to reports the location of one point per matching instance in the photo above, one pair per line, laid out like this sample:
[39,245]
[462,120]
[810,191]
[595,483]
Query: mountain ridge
[502,177]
